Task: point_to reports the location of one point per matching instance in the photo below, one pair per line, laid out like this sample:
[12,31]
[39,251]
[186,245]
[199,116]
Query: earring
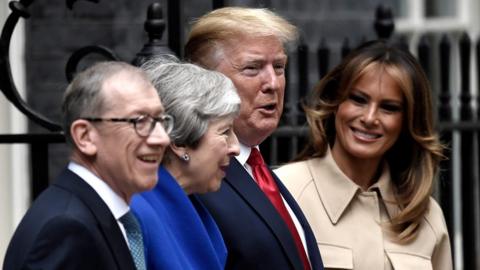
[185,157]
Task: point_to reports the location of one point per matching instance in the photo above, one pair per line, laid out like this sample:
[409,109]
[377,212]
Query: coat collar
[337,191]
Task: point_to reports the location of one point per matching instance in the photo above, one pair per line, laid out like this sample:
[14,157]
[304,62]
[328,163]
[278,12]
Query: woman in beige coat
[365,178]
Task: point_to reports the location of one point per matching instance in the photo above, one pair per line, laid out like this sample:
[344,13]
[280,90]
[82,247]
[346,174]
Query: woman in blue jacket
[178,231]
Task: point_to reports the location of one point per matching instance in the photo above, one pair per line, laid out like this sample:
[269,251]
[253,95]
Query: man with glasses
[116,125]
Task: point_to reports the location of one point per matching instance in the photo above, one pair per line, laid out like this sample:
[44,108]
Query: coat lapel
[312,246]
[245,186]
[108,225]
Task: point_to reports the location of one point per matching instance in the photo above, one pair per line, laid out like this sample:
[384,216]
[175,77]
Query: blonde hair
[412,176]
[211,31]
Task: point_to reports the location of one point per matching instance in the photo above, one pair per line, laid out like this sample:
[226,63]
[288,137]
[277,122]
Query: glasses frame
[164,120]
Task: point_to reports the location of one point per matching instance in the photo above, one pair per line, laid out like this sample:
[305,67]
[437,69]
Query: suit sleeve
[63,243]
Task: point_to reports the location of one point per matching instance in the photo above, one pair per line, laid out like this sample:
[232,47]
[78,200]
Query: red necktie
[269,187]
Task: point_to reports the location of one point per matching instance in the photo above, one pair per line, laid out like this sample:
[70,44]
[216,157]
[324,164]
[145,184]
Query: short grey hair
[84,97]
[193,95]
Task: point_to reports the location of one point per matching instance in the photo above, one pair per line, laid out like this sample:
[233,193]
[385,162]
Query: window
[434,15]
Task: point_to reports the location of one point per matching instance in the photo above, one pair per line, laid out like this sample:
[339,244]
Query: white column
[14,159]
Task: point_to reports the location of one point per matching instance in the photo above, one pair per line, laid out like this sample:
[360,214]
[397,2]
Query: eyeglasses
[144,124]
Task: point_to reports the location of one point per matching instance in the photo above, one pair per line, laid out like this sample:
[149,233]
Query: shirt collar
[337,190]
[385,188]
[244,153]
[115,203]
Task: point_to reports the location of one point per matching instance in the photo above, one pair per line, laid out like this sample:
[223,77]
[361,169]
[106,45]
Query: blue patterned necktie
[135,239]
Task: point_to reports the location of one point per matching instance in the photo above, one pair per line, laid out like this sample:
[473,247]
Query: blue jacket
[178,231]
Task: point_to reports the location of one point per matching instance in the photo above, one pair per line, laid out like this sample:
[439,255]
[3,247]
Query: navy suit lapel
[245,186]
[108,225]
[312,246]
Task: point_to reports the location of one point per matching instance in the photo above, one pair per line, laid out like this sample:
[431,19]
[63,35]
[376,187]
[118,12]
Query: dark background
[54,32]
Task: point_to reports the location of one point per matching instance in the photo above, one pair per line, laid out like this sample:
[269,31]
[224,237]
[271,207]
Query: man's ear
[84,136]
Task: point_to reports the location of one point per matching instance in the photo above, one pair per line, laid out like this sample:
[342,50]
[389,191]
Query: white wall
[14,159]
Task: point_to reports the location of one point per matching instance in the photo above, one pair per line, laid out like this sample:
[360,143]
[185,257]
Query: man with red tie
[262,225]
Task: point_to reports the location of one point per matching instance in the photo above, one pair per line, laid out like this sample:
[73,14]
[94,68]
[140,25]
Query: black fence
[457,121]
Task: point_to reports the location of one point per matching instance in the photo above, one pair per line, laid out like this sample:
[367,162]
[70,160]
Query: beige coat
[347,221]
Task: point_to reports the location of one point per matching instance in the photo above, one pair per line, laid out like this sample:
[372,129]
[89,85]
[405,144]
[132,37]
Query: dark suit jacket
[68,227]
[255,234]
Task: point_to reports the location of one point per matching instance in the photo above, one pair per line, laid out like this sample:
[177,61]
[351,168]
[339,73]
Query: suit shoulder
[295,176]
[63,238]
[55,208]
[60,239]
[66,224]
